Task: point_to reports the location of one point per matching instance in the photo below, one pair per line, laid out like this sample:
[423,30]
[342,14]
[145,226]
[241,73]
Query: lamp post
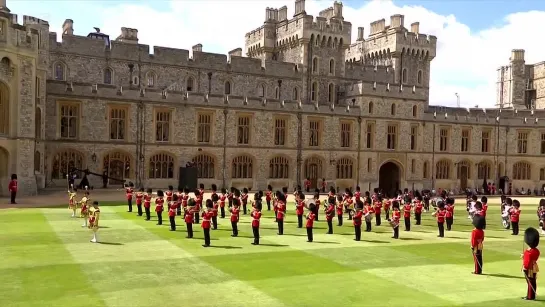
[433,153]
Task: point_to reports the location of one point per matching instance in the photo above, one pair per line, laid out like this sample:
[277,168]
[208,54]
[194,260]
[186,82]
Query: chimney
[3,6]
[67,27]
[415,27]
[397,21]
[235,52]
[197,47]
[299,7]
[360,34]
[283,13]
[128,36]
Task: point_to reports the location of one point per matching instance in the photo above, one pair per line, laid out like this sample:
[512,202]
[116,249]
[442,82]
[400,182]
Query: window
[393,109]
[227,90]
[542,143]
[60,72]
[463,165]
[189,84]
[522,171]
[37,161]
[404,75]
[280,132]
[522,142]
[108,76]
[419,77]
[542,174]
[314,133]
[315,65]
[161,166]
[345,168]
[415,111]
[117,165]
[64,162]
[391,141]
[442,170]
[69,121]
[38,92]
[277,93]
[118,121]
[331,93]
[483,170]
[464,145]
[413,166]
[4,108]
[37,123]
[425,170]
[314,92]
[414,137]
[332,66]
[243,132]
[279,168]
[371,105]
[443,139]
[151,79]
[205,166]
[204,128]
[261,90]
[370,135]
[295,94]
[346,129]
[242,167]
[369,164]
[485,141]
[162,126]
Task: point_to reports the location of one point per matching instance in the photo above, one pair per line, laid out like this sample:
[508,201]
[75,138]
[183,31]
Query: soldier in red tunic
[223,199]
[188,217]
[235,214]
[310,222]
[357,194]
[368,212]
[268,197]
[180,194]
[244,200]
[515,217]
[477,239]
[139,198]
[300,208]
[339,208]
[329,214]
[198,205]
[358,216]
[407,208]
[128,192]
[169,193]
[280,211]
[159,206]
[440,214]
[201,189]
[396,217]
[230,196]
[449,215]
[147,203]
[214,191]
[215,206]
[206,219]
[418,207]
[529,262]
[317,202]
[256,216]
[12,187]
[173,204]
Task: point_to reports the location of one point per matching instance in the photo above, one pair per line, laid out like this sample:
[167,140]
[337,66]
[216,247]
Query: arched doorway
[4,173]
[118,165]
[313,171]
[389,178]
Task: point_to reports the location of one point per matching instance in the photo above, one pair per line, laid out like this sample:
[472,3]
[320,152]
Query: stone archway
[389,178]
[4,171]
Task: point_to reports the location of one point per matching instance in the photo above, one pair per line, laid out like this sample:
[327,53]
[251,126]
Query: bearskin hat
[186,190]
[258,205]
[395,204]
[237,193]
[149,191]
[201,186]
[359,204]
[339,198]
[542,202]
[95,203]
[13,176]
[375,190]
[215,197]
[257,196]
[509,201]
[440,203]
[407,199]
[332,189]
[180,189]
[260,193]
[331,200]
[516,203]
[449,201]
[474,197]
[367,194]
[214,187]
[141,190]
[298,187]
[531,237]
[209,203]
[233,189]
[316,195]
[301,195]
[285,190]
[197,192]
[358,188]
[317,191]
[170,188]
[175,197]
[191,202]
[417,194]
[349,193]
[245,190]
[311,207]
[368,200]
[223,191]
[281,196]
[236,202]
[131,184]
[269,187]
[478,222]
[160,193]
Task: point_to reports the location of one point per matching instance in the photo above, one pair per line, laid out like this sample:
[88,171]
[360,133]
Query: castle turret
[3,6]
[128,35]
[518,78]
[68,27]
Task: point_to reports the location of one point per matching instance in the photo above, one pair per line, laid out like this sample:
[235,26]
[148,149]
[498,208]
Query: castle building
[304,102]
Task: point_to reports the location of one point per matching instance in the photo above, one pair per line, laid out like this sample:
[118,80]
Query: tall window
[370,107]
[542,173]
[189,84]
[404,75]
[295,94]
[442,170]
[522,142]
[161,166]
[280,132]
[413,166]
[151,79]
[277,93]
[443,139]
[315,65]
[69,121]
[204,128]
[314,92]
[415,111]
[393,109]
[542,143]
[419,78]
[279,168]
[414,137]
[346,129]
[460,166]
[261,90]
[314,133]
[485,141]
[60,72]
[227,90]
[370,135]
[369,164]
[162,126]
[108,76]
[345,169]
[118,122]
[205,166]
[64,162]
[483,170]
[118,164]
[332,66]
[465,140]
[425,170]
[522,171]
[243,132]
[4,108]
[391,141]
[242,167]
[331,93]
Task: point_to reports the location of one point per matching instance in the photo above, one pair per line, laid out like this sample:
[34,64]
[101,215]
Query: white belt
[205,220]
[255,219]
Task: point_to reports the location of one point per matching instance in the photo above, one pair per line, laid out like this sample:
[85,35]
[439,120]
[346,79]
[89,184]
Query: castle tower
[518,78]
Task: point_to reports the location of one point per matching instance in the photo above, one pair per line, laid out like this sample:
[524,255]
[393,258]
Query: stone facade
[306,101]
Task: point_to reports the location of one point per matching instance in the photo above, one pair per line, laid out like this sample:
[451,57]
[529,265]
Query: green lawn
[47,260]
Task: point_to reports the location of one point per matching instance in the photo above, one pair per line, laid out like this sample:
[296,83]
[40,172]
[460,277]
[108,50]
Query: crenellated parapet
[24,37]
[375,73]
[475,116]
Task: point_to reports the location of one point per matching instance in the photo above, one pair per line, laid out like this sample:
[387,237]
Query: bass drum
[436,200]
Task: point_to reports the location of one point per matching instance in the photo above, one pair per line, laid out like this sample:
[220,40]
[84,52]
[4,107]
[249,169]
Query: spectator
[13,188]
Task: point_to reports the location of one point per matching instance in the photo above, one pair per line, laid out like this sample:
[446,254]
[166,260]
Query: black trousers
[189,227]
[484,224]
[215,222]
[441,227]
[323,189]
[179,210]
[222,212]
[268,205]
[275,216]
[386,213]
[357,230]
[367,225]
[407,224]
[159,218]
[13,195]
[129,204]
[316,211]
[396,233]
[234,225]
[139,208]
[197,218]
[340,219]
[307,189]
[280,226]
[230,202]
[299,221]
[478,259]
[329,226]
[148,214]
[172,220]
[206,236]
[255,230]
[418,218]
[349,214]
[377,219]
[310,235]
[532,286]
[515,226]
[450,221]
[244,208]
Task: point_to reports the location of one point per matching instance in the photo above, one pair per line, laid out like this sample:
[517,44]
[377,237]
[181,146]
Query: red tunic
[12,187]
[485,208]
[330,212]
[356,220]
[223,197]
[244,198]
[159,205]
[396,216]
[235,214]
[172,211]
[357,195]
[339,208]
[215,209]
[310,219]
[477,238]
[450,211]
[418,207]
[169,195]
[407,211]
[378,207]
[440,215]
[529,259]
[515,215]
[256,215]
[206,217]
[128,193]
[139,196]
[147,201]
[188,216]
[268,195]
[280,210]
[299,207]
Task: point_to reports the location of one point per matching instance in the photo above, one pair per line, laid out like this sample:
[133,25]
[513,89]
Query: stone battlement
[357,70]
[469,116]
[34,21]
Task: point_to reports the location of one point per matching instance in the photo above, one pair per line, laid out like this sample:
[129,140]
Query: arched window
[151,79]
[261,90]
[295,94]
[331,93]
[279,168]
[37,161]
[419,77]
[37,122]
[463,170]
[315,65]
[205,166]
[404,75]
[118,165]
[370,107]
[242,167]
[415,111]
[393,109]
[227,88]
[425,170]
[345,168]
[4,108]
[64,162]
[522,171]
[332,66]
[161,166]
[483,170]
[108,76]
[442,169]
[314,92]
[189,84]
[60,72]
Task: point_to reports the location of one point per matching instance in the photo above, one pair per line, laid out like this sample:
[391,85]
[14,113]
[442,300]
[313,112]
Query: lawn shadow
[110,243]
[225,247]
[326,242]
[273,245]
[104,227]
[410,239]
[492,237]
[246,237]
[458,238]
[504,276]
[294,235]
[375,241]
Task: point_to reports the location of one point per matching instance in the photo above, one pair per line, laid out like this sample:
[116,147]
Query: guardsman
[449,216]
[357,220]
[318,203]
[230,196]
[147,203]
[378,210]
[268,197]
[223,199]
[280,211]
[349,204]
[477,239]
[386,204]
[139,198]
[310,222]
[256,216]
[515,217]
[169,194]
[244,200]
[85,208]
[214,191]
[185,198]
[173,204]
[357,194]
[206,223]
[159,206]
[368,212]
[198,205]
[440,214]
[529,262]
[180,194]
[201,190]
[329,214]
[72,203]
[396,217]
[418,207]
[235,214]
[94,218]
[215,206]
[12,187]
[407,208]
[188,217]
[300,208]
[128,192]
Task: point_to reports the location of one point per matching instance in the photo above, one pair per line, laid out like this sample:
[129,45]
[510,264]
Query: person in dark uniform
[310,222]
[280,211]
[356,220]
[477,239]
[256,216]
[529,262]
